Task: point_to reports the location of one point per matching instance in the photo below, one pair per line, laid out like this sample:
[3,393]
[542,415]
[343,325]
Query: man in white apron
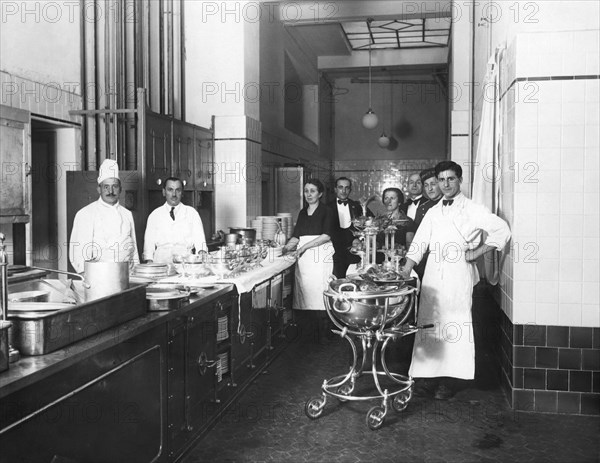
[104,230]
[452,230]
[173,228]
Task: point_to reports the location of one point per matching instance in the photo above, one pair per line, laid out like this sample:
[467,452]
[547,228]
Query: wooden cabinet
[15,159]
[199,371]
[176,148]
[108,407]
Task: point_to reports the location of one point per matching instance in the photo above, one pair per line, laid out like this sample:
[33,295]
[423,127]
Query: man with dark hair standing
[456,231]
[344,210]
[173,228]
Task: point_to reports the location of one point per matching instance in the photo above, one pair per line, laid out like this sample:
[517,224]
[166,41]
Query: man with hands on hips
[456,231]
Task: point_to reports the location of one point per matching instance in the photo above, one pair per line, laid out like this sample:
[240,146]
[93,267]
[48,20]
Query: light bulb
[370,120]
[383,141]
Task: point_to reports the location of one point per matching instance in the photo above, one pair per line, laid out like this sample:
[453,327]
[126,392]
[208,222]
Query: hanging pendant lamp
[370,119]
[384,140]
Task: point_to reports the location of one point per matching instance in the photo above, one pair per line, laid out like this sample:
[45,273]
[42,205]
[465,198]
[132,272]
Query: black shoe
[424,387]
[444,391]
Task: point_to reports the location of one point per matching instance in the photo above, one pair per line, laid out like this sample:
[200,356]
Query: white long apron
[448,349]
[313,270]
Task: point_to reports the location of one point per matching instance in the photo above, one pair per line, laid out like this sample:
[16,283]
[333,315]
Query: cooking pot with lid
[365,308]
[247,235]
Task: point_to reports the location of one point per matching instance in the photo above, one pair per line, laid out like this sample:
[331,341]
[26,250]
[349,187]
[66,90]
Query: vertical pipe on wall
[182,59]
[161,54]
[83,156]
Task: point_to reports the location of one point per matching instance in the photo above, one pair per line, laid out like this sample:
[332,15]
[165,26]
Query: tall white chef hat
[108,169]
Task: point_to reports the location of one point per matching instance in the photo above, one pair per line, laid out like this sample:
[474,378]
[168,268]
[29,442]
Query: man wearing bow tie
[344,210]
[415,195]
[456,231]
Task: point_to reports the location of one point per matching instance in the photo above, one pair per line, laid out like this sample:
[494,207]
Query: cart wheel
[345,389]
[375,417]
[314,407]
[400,401]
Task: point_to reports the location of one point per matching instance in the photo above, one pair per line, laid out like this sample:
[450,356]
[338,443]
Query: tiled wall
[551,369]
[549,291]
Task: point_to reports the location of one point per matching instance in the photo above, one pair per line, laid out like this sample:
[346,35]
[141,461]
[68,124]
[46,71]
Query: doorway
[45,175]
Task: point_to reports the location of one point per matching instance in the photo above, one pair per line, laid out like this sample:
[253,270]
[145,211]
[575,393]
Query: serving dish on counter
[164,296]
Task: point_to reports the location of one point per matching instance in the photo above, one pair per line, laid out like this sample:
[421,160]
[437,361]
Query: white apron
[313,270]
[448,349]
[112,236]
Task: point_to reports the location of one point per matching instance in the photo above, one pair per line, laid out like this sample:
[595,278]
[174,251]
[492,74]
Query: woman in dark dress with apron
[311,245]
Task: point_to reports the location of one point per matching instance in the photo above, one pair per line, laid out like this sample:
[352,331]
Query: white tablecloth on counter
[244,282]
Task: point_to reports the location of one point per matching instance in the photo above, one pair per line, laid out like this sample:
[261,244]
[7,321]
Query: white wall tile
[549,136]
[591,226]
[573,113]
[526,136]
[573,136]
[592,136]
[523,271]
[549,159]
[546,313]
[590,315]
[524,291]
[548,181]
[592,91]
[548,225]
[592,63]
[591,205]
[591,270]
[571,248]
[546,92]
[573,91]
[523,312]
[571,270]
[545,291]
[526,113]
[572,158]
[570,181]
[590,293]
[591,248]
[548,203]
[571,225]
[527,204]
[569,292]
[547,270]
[569,314]
[549,113]
[550,64]
[525,224]
[549,247]
[574,63]
[592,114]
[570,205]
[591,158]
[591,181]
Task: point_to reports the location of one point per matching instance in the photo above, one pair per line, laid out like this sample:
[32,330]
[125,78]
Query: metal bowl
[366,309]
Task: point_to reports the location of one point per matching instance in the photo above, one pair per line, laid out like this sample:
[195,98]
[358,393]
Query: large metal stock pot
[366,309]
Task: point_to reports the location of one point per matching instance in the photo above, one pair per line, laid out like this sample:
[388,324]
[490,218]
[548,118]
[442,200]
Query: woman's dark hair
[316,182]
[398,192]
[448,165]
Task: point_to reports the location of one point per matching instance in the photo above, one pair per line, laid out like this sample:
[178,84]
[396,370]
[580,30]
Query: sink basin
[42,327]
[55,290]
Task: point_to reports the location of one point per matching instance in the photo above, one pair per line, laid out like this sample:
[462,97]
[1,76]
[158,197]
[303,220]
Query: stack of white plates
[288,224]
[151,270]
[269,227]
[257,225]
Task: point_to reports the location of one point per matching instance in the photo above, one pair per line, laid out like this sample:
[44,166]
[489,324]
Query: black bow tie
[172,213]
[343,201]
[447,202]
[414,201]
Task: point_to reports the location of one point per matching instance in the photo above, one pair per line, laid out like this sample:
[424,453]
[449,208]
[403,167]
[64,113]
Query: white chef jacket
[165,236]
[102,232]
[448,349]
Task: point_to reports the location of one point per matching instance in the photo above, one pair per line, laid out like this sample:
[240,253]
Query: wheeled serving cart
[372,315]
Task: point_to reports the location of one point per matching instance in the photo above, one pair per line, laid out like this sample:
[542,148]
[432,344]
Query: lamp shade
[370,120]
[384,141]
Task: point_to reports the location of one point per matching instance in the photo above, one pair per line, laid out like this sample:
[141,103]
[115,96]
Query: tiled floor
[268,422]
